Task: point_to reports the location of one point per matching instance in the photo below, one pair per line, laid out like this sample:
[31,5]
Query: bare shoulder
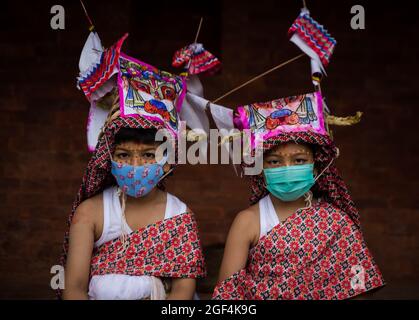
[247,221]
[248,216]
[89,210]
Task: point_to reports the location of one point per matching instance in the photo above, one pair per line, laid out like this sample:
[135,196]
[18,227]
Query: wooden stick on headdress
[199,30]
[258,77]
[91,27]
[195,41]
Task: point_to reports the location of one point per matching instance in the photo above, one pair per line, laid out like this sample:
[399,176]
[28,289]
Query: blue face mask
[137,181]
[289,183]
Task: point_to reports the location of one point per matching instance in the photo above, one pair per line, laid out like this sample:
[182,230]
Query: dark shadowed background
[43,119]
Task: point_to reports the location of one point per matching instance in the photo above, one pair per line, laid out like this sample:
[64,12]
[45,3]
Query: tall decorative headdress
[109,77]
[296,113]
[303,118]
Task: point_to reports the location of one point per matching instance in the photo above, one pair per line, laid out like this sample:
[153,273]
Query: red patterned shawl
[317,253]
[97,176]
[167,248]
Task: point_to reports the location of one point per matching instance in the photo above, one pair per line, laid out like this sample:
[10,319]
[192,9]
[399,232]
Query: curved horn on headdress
[344,121]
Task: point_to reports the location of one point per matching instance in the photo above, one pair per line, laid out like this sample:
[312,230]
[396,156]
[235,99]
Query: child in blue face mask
[128,242]
[128,238]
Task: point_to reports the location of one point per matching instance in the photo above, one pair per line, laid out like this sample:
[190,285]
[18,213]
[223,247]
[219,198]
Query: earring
[308,197]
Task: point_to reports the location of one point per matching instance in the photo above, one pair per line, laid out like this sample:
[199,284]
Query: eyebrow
[124,149]
[273,155]
[270,154]
[281,155]
[301,153]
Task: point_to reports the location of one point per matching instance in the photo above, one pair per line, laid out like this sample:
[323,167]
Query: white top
[122,286]
[267,215]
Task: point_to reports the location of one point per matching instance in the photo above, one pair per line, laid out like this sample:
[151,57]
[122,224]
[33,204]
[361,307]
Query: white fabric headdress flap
[193,107]
[316,64]
[91,53]
[223,117]
[193,112]
[105,88]
[194,85]
[98,67]
[95,122]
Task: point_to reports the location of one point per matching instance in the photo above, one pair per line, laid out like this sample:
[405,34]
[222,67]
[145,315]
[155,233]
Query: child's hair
[140,135]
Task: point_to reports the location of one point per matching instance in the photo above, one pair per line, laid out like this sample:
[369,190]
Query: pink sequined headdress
[303,118]
[299,119]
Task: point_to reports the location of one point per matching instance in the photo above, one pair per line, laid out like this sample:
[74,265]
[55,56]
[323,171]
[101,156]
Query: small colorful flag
[196,60]
[313,39]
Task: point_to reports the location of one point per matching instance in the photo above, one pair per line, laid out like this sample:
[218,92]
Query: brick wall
[44,117]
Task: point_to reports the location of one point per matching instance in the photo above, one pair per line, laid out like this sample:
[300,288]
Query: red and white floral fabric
[317,253]
[167,248]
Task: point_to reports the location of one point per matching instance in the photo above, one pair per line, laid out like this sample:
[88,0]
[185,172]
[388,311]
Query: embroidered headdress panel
[300,113]
[145,91]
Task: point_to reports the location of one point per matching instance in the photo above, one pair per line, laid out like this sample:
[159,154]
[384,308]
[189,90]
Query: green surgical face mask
[289,183]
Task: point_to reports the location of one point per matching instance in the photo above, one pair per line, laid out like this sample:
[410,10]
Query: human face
[288,154]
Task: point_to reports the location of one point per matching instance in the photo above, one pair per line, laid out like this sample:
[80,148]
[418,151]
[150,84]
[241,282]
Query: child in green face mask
[301,238]
[279,248]
[289,190]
